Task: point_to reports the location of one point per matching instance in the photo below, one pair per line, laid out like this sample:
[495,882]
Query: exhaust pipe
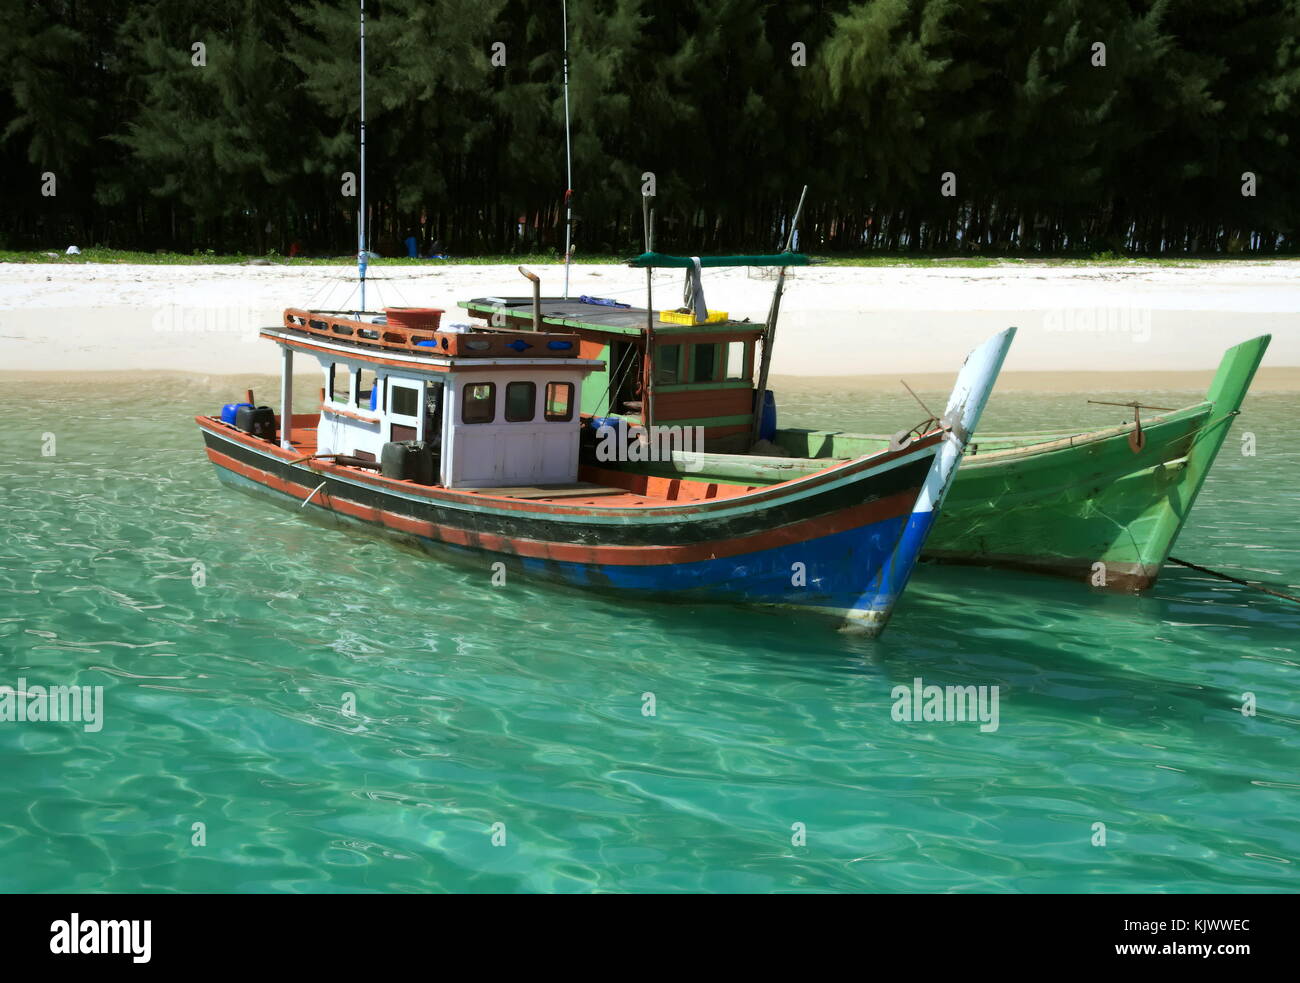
[537,298]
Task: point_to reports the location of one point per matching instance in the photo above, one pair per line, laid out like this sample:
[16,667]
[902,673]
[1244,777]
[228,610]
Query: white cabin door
[507,431]
[479,434]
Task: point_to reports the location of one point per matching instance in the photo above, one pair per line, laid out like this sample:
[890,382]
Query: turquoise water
[523,705]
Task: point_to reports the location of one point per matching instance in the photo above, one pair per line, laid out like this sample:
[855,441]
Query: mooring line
[312,495]
[1235,580]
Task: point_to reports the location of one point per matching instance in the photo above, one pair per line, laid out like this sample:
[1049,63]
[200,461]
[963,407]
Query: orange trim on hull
[796,532]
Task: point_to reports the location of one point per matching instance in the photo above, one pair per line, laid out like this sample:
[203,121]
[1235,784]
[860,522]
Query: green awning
[661,260]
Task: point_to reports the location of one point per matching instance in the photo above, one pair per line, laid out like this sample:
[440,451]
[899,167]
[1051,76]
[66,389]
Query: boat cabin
[702,365]
[703,374]
[476,407]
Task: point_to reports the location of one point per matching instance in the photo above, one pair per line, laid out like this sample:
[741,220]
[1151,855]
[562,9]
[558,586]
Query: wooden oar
[347,460]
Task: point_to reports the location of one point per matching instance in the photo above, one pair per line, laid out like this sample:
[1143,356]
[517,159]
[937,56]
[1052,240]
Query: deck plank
[568,489]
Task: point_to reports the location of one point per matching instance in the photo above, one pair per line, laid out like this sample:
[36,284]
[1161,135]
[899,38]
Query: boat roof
[326,332]
[575,312]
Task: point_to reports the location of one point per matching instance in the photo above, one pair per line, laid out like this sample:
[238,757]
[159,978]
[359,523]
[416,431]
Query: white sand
[836,321]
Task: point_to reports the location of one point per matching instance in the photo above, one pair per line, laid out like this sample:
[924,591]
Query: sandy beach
[1082,327]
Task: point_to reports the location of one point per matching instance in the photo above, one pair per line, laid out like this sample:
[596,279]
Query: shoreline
[841,322]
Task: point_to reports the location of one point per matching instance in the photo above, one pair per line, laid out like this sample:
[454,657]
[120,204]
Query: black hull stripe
[522,525]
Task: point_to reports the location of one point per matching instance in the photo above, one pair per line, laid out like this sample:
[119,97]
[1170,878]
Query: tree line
[936,126]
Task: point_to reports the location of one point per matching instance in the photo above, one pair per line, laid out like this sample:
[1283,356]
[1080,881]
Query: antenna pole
[647,387]
[769,329]
[361,214]
[568,157]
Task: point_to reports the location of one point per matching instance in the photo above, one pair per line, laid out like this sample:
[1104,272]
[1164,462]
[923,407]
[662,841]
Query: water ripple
[337,715]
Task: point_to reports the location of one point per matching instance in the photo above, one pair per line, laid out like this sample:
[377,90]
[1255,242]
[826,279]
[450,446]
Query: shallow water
[524,705]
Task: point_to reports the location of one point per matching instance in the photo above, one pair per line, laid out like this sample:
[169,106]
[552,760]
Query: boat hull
[1092,510]
[1103,508]
[841,548]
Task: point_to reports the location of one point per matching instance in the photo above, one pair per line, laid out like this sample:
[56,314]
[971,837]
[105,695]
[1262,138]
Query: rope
[918,399]
[1204,428]
[904,437]
[616,379]
[617,373]
[1235,580]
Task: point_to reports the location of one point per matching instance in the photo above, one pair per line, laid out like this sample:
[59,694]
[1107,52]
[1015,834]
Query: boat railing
[459,344]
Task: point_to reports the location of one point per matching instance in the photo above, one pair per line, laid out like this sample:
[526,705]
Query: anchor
[1137,439]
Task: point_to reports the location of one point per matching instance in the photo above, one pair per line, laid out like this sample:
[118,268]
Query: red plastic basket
[414,318]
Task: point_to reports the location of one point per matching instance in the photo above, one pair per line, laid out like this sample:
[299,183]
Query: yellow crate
[676,317]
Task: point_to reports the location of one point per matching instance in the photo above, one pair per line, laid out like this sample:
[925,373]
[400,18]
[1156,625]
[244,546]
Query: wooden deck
[609,489]
[551,492]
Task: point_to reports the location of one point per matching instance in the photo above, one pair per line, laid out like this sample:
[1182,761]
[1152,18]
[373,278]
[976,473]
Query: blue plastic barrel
[767,423]
[229,411]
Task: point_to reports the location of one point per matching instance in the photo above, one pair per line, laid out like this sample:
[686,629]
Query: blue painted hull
[855,576]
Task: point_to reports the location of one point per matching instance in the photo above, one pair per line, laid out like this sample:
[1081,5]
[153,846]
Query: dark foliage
[1003,102]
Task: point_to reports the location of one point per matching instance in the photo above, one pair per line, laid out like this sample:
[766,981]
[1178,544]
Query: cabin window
[705,367]
[559,402]
[521,401]
[668,365]
[736,359]
[479,403]
[367,389]
[403,400]
[341,384]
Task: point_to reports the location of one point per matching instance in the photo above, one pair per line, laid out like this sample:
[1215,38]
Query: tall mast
[769,329]
[647,362]
[361,214]
[568,155]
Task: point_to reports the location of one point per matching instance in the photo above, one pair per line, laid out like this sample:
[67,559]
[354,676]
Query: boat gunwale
[1084,438]
[765,495]
[1049,442]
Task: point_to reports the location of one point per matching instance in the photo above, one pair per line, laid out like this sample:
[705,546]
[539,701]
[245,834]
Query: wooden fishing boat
[1103,506]
[466,443]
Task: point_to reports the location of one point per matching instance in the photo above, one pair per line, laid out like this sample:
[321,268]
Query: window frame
[407,387]
[677,366]
[717,362]
[465,402]
[532,401]
[746,369]
[547,416]
[375,383]
[352,384]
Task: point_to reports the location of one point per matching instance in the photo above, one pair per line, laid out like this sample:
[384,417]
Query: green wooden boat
[1101,506]
[1104,506]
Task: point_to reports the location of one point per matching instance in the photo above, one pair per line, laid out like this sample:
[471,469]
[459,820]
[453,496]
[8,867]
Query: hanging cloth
[693,292]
